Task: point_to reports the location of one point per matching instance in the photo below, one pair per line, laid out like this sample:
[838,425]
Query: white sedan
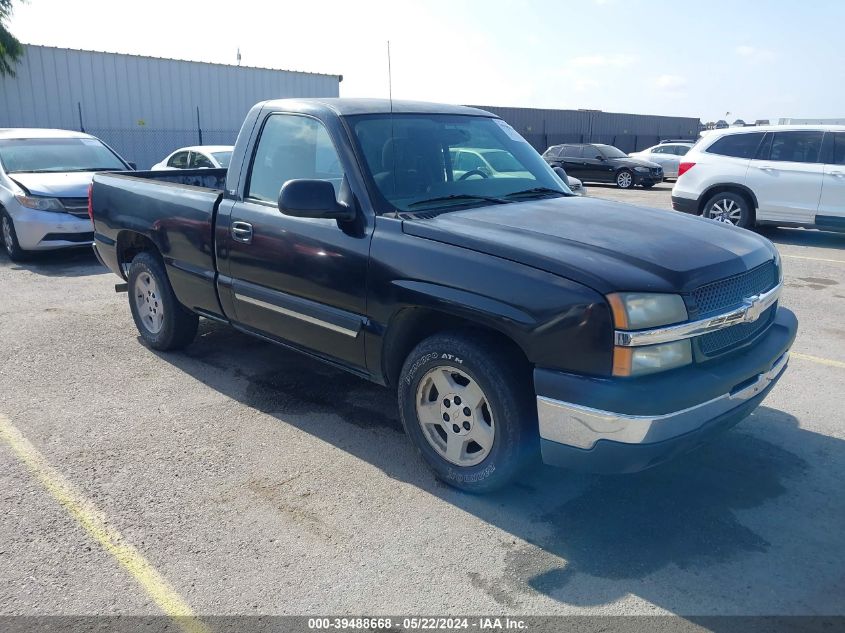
[667,155]
[198,157]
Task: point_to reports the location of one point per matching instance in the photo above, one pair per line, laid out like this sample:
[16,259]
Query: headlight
[642,170]
[40,204]
[779,266]
[640,361]
[641,310]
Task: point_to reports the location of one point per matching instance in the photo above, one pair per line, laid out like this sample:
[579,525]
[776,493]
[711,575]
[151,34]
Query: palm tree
[10,48]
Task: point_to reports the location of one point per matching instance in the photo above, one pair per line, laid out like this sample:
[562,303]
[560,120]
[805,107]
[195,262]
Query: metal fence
[146,147]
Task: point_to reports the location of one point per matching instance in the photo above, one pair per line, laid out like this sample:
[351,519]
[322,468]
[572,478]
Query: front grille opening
[735,336]
[729,293]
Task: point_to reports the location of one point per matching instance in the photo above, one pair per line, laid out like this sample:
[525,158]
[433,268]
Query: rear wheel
[624,179]
[10,238]
[730,208]
[469,410]
[162,321]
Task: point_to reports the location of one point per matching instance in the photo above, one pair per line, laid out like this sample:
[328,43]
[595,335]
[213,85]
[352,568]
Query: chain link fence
[146,147]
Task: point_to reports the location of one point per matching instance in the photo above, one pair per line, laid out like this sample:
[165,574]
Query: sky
[752,59]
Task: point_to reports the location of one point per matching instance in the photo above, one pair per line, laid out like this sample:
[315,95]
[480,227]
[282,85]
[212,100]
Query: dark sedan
[603,163]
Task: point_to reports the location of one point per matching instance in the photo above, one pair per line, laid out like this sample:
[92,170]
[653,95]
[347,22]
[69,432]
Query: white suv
[785,175]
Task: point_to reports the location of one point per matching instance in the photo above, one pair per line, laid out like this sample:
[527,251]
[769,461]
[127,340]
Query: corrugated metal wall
[144,107]
[629,132]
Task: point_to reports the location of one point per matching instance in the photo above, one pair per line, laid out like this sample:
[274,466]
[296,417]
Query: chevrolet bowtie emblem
[754,307]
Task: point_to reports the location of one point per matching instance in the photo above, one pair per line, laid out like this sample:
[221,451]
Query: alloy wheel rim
[624,180]
[148,303]
[7,235]
[455,416]
[726,210]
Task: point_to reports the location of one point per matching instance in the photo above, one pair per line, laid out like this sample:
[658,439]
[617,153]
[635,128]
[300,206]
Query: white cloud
[670,82]
[754,54]
[606,61]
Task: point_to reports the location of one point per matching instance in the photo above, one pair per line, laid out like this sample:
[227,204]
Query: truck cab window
[292,147]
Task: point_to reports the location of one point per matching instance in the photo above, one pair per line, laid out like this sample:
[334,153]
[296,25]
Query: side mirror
[132,166]
[312,199]
[601,158]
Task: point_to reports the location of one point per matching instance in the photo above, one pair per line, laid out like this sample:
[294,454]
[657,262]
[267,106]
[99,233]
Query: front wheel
[624,179]
[10,238]
[162,321]
[730,208]
[469,410]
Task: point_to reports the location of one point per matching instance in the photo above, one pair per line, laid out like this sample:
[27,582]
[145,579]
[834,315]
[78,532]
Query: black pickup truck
[513,318]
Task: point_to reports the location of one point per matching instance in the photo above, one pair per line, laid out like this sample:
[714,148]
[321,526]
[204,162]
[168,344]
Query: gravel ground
[256,481]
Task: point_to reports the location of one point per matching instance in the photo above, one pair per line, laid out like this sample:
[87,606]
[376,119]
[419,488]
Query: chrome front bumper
[581,427]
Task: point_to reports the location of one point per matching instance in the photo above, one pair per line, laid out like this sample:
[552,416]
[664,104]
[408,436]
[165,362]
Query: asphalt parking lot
[250,480]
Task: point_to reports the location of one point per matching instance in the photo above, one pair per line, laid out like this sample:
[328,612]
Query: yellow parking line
[816,259]
[94,522]
[817,359]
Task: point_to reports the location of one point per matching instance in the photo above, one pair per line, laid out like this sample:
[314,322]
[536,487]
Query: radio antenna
[392,140]
[389,78]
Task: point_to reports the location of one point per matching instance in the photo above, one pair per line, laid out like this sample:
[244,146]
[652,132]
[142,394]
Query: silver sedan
[667,155]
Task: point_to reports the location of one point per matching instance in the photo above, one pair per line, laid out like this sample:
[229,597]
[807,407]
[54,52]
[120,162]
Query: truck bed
[175,210]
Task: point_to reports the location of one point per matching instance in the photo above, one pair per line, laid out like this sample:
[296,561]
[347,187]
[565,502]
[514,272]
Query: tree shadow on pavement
[581,539]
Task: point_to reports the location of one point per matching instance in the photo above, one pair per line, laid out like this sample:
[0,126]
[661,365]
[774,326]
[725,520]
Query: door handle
[767,168]
[838,174]
[242,232]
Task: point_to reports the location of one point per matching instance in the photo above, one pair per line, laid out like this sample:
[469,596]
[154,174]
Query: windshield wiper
[536,190]
[458,196]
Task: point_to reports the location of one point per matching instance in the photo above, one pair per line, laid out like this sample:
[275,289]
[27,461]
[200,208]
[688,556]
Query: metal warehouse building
[144,107]
[629,132]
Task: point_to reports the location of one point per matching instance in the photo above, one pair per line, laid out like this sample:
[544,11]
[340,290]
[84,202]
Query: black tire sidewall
[513,442]
[745,218]
[169,335]
[17,253]
[619,173]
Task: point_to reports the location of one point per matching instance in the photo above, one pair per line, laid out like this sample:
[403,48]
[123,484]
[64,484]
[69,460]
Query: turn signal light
[684,168]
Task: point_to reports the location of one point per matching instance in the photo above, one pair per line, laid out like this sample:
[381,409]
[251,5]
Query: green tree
[10,48]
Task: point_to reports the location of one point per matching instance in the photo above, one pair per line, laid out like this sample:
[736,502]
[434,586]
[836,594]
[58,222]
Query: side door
[198,160]
[786,176]
[570,159]
[597,167]
[298,280]
[831,212]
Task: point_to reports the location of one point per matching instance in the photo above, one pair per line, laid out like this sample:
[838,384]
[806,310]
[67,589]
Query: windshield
[428,161]
[57,155]
[222,157]
[611,152]
[503,161]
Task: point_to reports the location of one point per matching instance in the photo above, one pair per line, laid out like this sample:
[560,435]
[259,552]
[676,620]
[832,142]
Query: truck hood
[61,185]
[608,246]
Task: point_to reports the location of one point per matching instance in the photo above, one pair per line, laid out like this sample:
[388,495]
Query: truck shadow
[580,539]
[75,262]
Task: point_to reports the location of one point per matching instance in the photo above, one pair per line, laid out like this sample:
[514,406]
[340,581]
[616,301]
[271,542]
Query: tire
[624,179]
[163,322]
[10,238]
[505,415]
[730,208]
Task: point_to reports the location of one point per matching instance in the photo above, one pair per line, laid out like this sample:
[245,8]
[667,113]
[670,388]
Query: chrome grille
[76,206]
[724,340]
[729,293]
